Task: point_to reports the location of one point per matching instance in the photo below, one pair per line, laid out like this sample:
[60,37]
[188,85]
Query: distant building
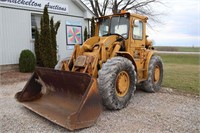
[19,18]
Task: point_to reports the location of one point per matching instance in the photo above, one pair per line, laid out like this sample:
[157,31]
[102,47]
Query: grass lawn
[178,49]
[188,49]
[182,72]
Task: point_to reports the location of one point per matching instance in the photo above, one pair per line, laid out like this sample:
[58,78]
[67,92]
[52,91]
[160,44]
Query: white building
[19,18]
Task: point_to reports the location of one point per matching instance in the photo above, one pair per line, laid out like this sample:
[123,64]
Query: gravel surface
[147,112]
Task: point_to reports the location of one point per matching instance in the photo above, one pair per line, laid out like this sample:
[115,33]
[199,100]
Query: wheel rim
[122,84]
[156,74]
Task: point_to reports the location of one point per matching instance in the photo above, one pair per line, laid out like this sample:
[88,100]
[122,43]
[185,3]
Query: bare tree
[145,7]
[98,8]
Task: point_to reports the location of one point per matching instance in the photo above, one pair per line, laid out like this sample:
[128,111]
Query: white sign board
[36,5]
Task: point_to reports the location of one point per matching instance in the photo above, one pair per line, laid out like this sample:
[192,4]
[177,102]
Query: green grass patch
[181,59]
[188,49]
[178,49]
[182,72]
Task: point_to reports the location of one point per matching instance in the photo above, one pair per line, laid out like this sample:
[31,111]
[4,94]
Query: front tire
[116,82]
[155,75]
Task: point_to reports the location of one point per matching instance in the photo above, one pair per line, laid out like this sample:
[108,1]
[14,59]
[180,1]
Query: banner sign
[37,4]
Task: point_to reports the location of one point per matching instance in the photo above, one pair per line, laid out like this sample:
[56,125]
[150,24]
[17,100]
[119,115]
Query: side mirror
[135,25]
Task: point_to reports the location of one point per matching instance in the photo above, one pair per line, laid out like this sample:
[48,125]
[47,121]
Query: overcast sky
[181,24]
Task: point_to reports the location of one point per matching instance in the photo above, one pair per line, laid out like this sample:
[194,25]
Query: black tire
[150,85]
[59,64]
[108,76]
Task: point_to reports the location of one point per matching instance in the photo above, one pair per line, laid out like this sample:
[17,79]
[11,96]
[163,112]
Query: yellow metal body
[96,50]
[122,84]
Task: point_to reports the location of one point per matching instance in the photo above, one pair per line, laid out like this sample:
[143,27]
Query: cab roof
[129,14]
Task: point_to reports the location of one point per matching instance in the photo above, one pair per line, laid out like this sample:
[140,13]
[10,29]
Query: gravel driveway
[147,113]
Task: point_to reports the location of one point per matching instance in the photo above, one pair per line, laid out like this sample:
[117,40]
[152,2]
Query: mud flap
[68,99]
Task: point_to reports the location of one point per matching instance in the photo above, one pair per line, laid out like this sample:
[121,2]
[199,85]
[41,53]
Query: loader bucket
[68,99]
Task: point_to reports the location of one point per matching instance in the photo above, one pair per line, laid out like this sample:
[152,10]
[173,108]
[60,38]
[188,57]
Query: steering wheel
[120,36]
[124,35]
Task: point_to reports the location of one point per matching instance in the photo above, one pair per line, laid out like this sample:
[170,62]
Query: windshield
[119,25]
[104,27]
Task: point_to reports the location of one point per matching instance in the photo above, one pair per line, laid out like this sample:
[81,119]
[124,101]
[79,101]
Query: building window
[35,22]
[137,30]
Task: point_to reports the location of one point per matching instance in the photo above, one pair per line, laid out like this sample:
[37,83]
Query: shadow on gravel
[11,77]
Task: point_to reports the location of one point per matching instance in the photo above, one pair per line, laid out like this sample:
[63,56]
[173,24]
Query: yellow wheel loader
[104,70]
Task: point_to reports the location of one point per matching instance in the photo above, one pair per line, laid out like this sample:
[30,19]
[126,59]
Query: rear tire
[155,75]
[116,82]
[59,64]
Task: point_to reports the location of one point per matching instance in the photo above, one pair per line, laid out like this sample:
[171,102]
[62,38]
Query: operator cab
[114,25]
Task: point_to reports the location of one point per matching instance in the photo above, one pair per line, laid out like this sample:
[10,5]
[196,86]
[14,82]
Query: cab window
[120,25]
[104,27]
[137,30]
